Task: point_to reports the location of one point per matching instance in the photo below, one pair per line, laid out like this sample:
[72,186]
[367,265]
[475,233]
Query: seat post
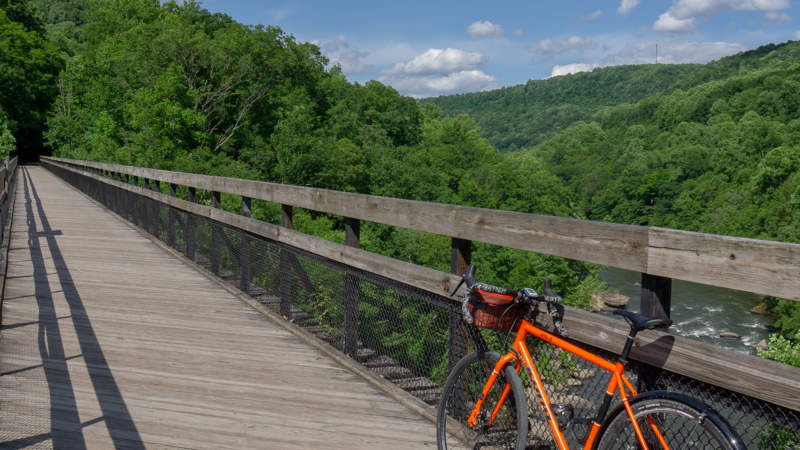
[626,351]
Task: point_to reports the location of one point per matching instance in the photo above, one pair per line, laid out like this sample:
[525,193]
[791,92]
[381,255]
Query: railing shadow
[66,427]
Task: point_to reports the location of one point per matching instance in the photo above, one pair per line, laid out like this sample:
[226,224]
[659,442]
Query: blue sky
[425,48]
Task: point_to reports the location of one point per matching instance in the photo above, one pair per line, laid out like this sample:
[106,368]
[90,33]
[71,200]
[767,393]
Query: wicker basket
[488,307]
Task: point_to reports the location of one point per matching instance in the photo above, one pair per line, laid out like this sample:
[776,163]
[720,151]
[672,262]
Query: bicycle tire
[684,422]
[461,390]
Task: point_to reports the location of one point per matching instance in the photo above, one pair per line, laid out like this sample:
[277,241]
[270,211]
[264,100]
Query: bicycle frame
[618,382]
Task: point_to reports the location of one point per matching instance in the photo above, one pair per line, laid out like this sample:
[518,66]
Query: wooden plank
[684,356]
[762,267]
[598,242]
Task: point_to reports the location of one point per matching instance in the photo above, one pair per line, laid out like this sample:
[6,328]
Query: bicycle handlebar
[554,301]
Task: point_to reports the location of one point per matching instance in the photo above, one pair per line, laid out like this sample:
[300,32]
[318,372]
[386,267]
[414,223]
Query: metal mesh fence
[409,336]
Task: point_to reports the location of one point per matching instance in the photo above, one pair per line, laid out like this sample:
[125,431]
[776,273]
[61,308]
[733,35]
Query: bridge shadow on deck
[65,425]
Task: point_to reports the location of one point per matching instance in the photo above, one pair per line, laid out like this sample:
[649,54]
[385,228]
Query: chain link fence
[403,334]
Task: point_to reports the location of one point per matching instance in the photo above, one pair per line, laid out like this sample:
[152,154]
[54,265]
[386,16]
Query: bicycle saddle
[641,322]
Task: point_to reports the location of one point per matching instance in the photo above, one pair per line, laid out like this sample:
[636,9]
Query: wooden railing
[762,267]
[8,172]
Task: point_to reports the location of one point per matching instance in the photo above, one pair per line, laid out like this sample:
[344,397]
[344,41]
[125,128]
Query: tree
[28,68]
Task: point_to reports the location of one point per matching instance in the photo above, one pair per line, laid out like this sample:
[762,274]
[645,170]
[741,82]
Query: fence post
[190,237]
[215,237]
[131,201]
[656,295]
[460,256]
[148,208]
[244,258]
[352,229]
[172,217]
[155,185]
[655,301]
[285,266]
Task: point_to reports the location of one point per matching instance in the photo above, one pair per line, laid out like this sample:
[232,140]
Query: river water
[702,312]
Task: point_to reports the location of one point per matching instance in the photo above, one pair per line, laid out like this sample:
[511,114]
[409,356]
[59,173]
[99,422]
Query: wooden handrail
[758,266]
[747,374]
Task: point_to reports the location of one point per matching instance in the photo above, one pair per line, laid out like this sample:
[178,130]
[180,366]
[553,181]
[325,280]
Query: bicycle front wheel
[667,420]
[463,388]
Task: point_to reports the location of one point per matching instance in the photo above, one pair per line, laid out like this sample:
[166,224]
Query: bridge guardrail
[8,183]
[231,244]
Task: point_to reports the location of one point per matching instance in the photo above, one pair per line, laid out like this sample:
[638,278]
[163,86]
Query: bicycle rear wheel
[682,422]
[463,388]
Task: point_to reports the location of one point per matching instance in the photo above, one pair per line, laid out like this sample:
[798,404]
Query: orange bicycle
[484,401]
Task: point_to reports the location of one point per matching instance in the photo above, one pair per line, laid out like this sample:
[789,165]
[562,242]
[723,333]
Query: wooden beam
[656,296]
[458,340]
[351,290]
[285,265]
[244,254]
[216,239]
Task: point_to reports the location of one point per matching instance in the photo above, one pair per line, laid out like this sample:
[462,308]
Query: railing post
[655,301]
[215,237]
[656,295]
[460,257]
[172,217]
[190,237]
[155,186]
[285,267]
[131,201]
[147,207]
[244,258]
[352,229]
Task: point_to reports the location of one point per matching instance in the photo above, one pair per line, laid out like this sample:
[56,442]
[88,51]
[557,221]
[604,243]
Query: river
[702,312]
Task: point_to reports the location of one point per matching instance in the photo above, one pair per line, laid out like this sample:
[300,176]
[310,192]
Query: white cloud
[592,15]
[518,32]
[777,17]
[670,24]
[626,6]
[683,13]
[485,29]
[567,69]
[437,61]
[433,85]
[439,72]
[550,47]
[339,52]
[797,35]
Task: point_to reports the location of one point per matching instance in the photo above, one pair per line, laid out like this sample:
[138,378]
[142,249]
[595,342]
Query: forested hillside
[527,114]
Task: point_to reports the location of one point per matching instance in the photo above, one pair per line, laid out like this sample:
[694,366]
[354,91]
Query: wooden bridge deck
[109,341]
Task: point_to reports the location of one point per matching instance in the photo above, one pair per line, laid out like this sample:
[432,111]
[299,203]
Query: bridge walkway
[109,341]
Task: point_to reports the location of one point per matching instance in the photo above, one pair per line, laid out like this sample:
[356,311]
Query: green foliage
[29,64]
[7,141]
[778,437]
[784,350]
[581,295]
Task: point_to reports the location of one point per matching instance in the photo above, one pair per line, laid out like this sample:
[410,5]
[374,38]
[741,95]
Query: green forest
[172,86]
